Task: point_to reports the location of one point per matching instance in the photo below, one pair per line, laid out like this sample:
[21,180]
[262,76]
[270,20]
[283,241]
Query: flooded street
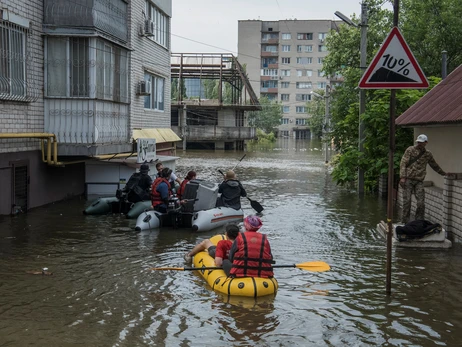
[102,292]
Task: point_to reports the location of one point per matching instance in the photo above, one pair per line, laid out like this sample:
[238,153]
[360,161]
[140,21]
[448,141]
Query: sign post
[393,67]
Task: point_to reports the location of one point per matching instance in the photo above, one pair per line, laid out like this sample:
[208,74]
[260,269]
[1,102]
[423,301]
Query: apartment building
[283,61]
[78,78]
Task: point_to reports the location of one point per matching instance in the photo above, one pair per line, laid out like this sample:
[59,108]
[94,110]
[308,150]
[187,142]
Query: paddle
[255,204]
[239,162]
[314,266]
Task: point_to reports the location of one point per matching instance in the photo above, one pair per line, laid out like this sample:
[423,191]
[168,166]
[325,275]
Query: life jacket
[181,189]
[155,195]
[253,256]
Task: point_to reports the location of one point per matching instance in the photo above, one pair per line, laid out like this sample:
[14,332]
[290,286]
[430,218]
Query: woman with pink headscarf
[250,253]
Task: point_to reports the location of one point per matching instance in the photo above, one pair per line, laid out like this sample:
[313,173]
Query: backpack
[417,229]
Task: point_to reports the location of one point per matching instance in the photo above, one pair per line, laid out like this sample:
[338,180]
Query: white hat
[422,138]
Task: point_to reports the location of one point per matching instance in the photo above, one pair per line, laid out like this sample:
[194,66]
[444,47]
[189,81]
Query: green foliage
[264,141]
[317,109]
[175,90]
[343,59]
[268,118]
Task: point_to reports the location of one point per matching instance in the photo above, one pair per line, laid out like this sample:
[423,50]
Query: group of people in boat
[141,187]
[241,254]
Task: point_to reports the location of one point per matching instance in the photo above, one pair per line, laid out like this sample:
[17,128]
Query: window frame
[157,97]
[161,23]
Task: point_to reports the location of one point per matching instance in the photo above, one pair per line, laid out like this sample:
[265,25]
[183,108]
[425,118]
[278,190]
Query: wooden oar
[314,266]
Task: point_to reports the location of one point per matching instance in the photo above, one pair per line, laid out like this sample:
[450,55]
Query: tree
[317,109]
[268,118]
[174,89]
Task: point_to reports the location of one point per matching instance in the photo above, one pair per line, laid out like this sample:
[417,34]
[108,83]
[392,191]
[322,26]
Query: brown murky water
[102,293]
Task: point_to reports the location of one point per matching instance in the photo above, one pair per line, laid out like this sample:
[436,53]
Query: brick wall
[18,116]
[148,56]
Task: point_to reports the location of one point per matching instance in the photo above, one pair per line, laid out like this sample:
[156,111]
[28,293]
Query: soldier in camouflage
[412,171]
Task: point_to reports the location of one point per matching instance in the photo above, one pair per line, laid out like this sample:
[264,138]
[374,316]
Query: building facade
[283,61]
[76,78]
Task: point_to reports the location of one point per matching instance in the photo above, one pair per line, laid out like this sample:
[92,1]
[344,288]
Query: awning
[161,135]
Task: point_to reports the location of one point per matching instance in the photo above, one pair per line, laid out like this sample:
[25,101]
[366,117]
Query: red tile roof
[441,105]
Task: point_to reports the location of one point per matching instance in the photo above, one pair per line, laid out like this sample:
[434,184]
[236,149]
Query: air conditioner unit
[148,28]
[144,88]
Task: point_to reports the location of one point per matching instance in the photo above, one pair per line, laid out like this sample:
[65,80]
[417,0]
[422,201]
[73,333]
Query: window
[161,24]
[284,133]
[299,48]
[285,84]
[285,97]
[155,101]
[269,84]
[285,73]
[286,48]
[299,73]
[267,61]
[322,48]
[286,60]
[266,37]
[321,73]
[320,60]
[285,109]
[304,36]
[284,120]
[309,48]
[12,61]
[309,73]
[303,85]
[321,85]
[300,109]
[69,69]
[286,36]
[304,60]
[302,97]
[270,48]
[322,36]
[269,72]
[300,121]
[270,96]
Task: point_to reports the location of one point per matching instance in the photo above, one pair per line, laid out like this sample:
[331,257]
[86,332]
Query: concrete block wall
[19,116]
[153,58]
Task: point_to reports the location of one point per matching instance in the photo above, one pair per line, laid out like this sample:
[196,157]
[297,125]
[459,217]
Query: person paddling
[231,191]
[250,253]
[220,252]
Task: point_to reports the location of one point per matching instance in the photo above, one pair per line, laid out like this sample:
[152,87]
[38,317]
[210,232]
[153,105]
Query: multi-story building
[77,79]
[283,61]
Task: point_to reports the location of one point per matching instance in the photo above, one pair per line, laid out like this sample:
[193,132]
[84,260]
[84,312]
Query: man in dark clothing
[139,185]
[231,191]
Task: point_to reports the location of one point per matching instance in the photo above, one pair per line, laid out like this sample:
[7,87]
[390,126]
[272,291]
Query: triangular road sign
[394,66]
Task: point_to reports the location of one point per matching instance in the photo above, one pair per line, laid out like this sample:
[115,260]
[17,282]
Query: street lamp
[362,93]
[326,127]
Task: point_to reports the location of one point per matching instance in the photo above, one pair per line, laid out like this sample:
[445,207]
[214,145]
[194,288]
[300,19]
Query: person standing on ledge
[412,171]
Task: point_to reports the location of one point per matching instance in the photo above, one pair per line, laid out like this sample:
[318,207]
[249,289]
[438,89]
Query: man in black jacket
[138,187]
[231,191]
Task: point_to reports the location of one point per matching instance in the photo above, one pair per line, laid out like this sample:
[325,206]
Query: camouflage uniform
[415,174]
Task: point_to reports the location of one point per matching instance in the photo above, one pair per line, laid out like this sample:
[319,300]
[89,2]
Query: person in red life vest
[250,253]
[220,252]
[190,176]
[161,192]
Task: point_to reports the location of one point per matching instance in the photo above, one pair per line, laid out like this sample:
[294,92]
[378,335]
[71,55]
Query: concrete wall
[445,143]
[148,56]
[249,50]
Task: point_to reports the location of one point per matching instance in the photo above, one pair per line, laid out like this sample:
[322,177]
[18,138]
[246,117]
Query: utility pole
[362,93]
[327,121]
[184,122]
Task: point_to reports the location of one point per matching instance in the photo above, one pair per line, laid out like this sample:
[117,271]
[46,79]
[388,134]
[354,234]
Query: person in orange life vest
[250,253]
[190,176]
[160,192]
[220,252]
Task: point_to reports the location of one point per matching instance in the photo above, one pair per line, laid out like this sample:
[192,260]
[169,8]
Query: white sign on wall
[146,149]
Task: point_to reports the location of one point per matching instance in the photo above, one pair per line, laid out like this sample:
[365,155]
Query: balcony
[216,133]
[269,54]
[269,90]
[265,40]
[273,66]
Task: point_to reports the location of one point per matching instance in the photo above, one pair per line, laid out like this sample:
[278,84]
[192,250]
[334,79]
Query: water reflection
[102,292]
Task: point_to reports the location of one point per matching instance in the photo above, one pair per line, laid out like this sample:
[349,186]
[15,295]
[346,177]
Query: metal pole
[444,65]
[362,93]
[184,121]
[327,125]
[391,166]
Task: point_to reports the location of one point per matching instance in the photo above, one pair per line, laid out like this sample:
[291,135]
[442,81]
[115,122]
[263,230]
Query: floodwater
[102,292]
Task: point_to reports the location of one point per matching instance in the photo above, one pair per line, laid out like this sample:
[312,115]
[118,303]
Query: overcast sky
[213,23]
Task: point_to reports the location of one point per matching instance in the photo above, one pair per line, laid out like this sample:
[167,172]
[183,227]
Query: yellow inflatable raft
[239,286]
